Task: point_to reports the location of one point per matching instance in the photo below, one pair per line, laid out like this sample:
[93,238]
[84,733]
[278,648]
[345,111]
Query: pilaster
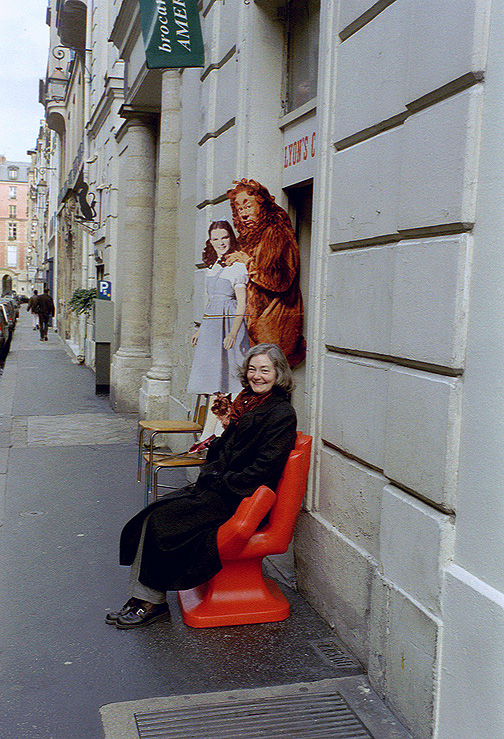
[156,385]
[135,244]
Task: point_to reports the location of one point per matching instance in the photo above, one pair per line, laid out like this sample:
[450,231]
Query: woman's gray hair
[284,378]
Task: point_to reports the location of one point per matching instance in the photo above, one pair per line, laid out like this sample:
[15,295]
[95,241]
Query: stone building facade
[13,227]
[43,190]
[378,127]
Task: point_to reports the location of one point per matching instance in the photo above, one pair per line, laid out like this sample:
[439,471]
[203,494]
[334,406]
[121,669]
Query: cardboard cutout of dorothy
[221,341]
[253,287]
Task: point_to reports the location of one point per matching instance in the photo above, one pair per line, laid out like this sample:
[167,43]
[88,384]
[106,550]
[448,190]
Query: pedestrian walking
[44,307]
[29,308]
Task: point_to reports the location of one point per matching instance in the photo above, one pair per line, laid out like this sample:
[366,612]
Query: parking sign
[104,290]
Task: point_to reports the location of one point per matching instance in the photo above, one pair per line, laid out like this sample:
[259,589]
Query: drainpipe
[86,241]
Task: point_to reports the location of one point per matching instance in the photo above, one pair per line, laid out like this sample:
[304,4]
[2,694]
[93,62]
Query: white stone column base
[126,372]
[155,398]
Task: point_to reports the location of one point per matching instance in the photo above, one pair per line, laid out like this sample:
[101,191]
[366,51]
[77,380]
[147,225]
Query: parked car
[5,335]
[10,314]
[14,300]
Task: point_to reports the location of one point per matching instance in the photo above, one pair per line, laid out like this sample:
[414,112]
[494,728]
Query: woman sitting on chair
[172,544]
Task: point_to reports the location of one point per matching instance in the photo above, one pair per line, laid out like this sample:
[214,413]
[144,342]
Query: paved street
[67,484]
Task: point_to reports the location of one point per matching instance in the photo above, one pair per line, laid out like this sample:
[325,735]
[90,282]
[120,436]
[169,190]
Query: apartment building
[376,126]
[14,236]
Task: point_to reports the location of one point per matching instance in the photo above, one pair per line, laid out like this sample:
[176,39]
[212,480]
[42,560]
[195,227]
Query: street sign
[104,290]
[172,33]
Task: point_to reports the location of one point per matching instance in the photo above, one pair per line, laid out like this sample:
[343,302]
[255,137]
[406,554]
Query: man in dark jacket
[30,306]
[44,307]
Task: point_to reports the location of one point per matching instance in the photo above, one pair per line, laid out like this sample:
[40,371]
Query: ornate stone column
[135,242]
[156,385]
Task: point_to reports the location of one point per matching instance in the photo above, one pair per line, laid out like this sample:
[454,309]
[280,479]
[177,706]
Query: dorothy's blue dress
[214,368]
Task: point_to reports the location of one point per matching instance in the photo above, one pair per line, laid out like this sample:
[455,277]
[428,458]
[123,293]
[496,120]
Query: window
[302,29]
[12,255]
[13,192]
[13,173]
[12,211]
[12,230]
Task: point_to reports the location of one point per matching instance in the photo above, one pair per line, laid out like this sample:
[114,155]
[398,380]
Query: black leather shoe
[142,614]
[112,617]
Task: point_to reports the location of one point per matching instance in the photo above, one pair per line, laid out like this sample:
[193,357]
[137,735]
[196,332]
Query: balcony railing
[73,174]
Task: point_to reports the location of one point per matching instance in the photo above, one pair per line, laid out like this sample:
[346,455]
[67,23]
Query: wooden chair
[168,426]
[239,593]
[156,462]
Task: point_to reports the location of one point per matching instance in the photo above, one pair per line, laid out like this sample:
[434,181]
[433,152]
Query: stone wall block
[359,299]
[403,656]
[411,300]
[429,307]
[208,30]
[204,172]
[372,73]
[350,499]
[228,29]
[340,589]
[354,407]
[224,165]
[438,182]
[136,61]
[221,24]
[416,543]
[365,189]
[445,42]
[422,433]
[206,111]
[225,97]
[350,10]
[471,678]
[204,218]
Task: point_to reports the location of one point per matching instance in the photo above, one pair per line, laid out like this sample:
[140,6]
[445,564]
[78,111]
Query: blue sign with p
[104,290]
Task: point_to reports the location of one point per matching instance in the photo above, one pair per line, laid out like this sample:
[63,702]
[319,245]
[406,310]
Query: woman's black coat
[180,545]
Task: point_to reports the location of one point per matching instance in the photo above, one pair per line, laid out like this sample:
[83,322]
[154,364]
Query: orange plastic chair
[239,593]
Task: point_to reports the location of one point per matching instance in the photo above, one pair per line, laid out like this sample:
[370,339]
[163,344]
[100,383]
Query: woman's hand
[237,256]
[229,341]
[194,339]
[221,407]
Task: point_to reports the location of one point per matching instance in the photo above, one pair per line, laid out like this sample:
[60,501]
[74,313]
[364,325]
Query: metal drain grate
[313,716]
[331,651]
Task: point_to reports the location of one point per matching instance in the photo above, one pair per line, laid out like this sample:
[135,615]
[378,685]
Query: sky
[24,41]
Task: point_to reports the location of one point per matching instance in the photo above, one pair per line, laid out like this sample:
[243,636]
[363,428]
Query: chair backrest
[201,409]
[290,492]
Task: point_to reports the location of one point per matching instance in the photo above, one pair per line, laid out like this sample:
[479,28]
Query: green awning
[172,33]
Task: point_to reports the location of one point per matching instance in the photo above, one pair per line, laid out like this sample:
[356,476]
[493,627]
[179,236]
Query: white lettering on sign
[180,16]
[163,26]
[299,150]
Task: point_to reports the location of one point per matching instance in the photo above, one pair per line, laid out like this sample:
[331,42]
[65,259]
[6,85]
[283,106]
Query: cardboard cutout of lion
[269,250]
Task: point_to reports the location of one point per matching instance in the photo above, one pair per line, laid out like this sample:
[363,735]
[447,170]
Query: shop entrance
[6,284]
[300,211]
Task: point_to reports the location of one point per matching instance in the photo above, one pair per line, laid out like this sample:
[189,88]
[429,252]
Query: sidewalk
[67,485]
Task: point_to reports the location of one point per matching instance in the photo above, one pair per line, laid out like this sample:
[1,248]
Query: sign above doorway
[299,150]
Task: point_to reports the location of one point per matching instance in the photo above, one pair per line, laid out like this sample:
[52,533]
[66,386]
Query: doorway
[300,211]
